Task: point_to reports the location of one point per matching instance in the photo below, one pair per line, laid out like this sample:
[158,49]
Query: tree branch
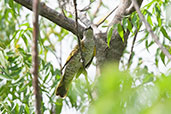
[131,53]
[149,29]
[97,9]
[35,62]
[117,46]
[105,17]
[78,36]
[54,16]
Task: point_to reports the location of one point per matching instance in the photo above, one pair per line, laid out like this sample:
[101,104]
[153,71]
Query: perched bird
[74,66]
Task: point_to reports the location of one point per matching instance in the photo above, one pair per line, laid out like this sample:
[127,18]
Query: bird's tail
[62,89]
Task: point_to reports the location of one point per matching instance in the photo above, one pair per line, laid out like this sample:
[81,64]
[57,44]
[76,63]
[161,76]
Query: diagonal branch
[117,46]
[54,16]
[105,17]
[149,29]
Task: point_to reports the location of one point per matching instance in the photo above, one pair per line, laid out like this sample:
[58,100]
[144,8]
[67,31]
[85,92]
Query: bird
[73,66]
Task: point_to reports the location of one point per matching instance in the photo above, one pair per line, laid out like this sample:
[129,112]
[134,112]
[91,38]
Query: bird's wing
[81,70]
[94,54]
[72,54]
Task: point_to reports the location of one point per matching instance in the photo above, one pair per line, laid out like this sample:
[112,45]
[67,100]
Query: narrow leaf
[165,33]
[162,56]
[149,20]
[11,4]
[2,76]
[109,35]
[121,32]
[124,23]
[129,26]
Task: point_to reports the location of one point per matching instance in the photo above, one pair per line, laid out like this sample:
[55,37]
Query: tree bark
[54,16]
[35,60]
[113,53]
[104,53]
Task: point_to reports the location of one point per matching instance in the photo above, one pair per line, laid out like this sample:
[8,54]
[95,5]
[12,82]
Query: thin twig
[53,52]
[57,58]
[88,87]
[78,36]
[97,9]
[149,29]
[60,58]
[133,42]
[80,49]
[35,62]
[104,18]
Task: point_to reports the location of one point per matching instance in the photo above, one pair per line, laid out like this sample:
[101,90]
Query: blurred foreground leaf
[120,93]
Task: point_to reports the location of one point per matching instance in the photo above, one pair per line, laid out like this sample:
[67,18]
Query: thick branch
[117,46]
[149,29]
[54,16]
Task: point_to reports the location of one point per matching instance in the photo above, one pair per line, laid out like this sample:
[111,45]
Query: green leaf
[15,74]
[3,60]
[13,68]
[56,72]
[91,1]
[24,24]
[121,32]
[149,20]
[168,48]
[2,76]
[11,4]
[165,33]
[162,56]
[124,23]
[149,4]
[27,109]
[156,57]
[159,21]
[158,14]
[109,35]
[25,40]
[129,25]
[146,45]
[134,19]
[58,106]
[14,35]
[151,43]
[21,110]
[157,9]
[17,108]
[145,37]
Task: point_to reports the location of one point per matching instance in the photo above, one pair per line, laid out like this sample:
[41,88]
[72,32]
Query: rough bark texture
[54,16]
[104,53]
[115,51]
[35,60]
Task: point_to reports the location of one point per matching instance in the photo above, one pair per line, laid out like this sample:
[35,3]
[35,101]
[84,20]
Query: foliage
[121,93]
[138,91]
[154,13]
[16,91]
